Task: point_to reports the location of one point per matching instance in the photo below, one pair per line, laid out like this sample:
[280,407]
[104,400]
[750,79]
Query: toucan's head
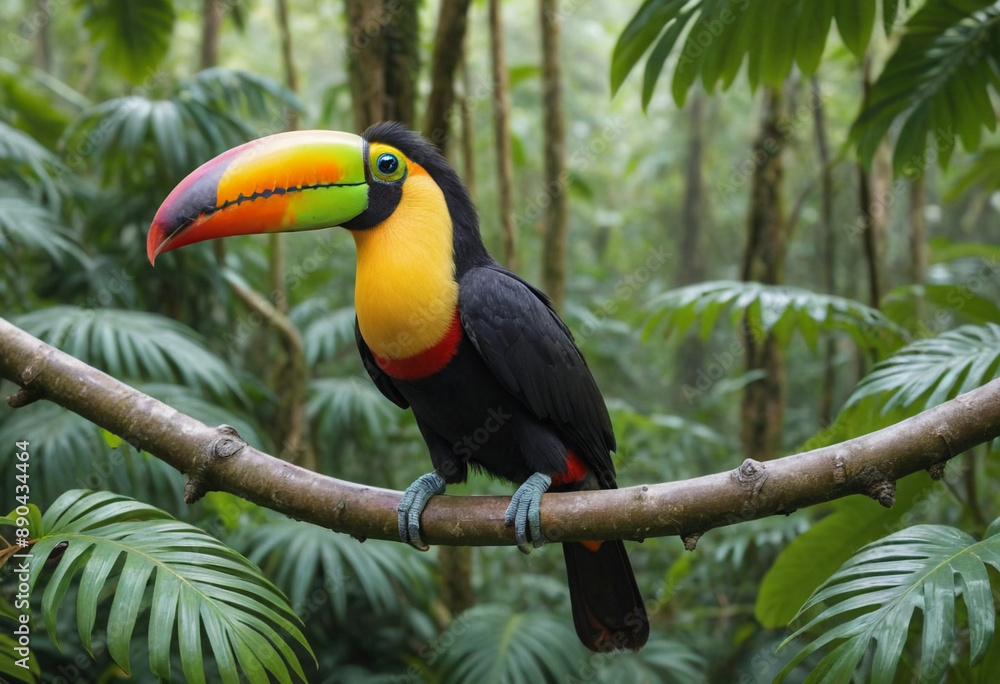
[305,180]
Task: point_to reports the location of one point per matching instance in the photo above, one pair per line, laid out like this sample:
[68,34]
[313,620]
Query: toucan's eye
[387,166]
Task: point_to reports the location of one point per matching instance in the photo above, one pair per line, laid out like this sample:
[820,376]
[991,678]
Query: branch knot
[229,442]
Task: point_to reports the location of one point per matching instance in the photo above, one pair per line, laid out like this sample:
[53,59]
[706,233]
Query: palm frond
[133,36]
[27,227]
[931,371]
[712,39]
[772,309]
[143,141]
[196,583]
[133,344]
[983,171]
[26,159]
[36,102]
[9,659]
[494,643]
[300,556]
[350,406]
[660,660]
[873,598]
[327,335]
[947,55]
[253,95]
[161,140]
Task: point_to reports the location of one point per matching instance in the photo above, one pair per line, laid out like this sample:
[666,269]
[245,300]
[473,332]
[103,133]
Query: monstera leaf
[874,598]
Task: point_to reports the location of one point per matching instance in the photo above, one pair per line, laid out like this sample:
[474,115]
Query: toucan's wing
[378,376]
[532,353]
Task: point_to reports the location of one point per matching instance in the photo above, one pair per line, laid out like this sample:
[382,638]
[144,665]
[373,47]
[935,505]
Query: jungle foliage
[104,107]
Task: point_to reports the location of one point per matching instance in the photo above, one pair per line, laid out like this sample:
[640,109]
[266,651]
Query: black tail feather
[608,610]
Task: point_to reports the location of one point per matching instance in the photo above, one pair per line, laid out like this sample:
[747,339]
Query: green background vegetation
[105,106]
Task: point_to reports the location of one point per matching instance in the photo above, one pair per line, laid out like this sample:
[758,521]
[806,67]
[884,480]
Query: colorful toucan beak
[300,180]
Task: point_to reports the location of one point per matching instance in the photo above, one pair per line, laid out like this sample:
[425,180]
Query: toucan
[490,371]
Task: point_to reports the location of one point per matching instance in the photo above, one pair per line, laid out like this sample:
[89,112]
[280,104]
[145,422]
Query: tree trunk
[42,47]
[829,240]
[873,198]
[211,26]
[288,62]
[690,265]
[468,131]
[383,60]
[557,215]
[918,237]
[762,408]
[501,136]
[447,53]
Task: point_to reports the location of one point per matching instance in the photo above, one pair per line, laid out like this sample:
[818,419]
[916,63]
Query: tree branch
[217,459]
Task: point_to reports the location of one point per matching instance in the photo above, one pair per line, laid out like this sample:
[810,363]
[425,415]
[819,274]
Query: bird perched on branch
[490,371]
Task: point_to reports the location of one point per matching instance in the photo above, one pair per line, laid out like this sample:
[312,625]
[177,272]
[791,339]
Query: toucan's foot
[525,511]
[414,501]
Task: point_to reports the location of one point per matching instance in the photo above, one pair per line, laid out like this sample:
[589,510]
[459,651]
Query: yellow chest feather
[405,291]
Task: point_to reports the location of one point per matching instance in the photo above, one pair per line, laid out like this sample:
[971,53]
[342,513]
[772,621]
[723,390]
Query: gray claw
[412,504]
[525,512]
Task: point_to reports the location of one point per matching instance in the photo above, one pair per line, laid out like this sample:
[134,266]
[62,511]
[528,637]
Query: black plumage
[515,399]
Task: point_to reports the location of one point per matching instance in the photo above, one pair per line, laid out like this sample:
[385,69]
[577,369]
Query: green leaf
[188,568]
[27,227]
[121,342]
[160,140]
[9,658]
[873,597]
[351,406]
[855,20]
[946,56]
[817,553]
[814,22]
[133,36]
[111,439]
[301,557]
[639,34]
[327,335]
[27,161]
[943,250]
[493,643]
[933,370]
[775,309]
[907,305]
[982,172]
[654,65]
